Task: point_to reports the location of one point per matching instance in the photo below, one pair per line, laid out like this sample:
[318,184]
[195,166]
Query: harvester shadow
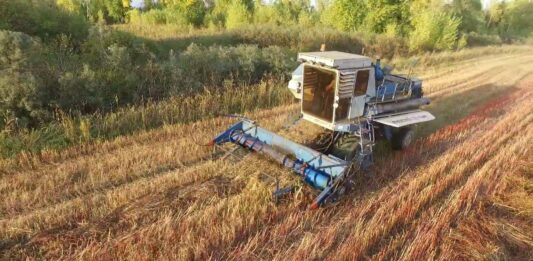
[391,165]
[449,111]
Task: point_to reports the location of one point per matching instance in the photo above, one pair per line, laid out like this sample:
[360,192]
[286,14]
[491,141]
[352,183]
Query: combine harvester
[356,101]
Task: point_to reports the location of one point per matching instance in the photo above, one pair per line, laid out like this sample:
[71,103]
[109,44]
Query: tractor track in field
[159,177]
[159,185]
[487,127]
[133,177]
[369,210]
[438,71]
[174,164]
[439,200]
[435,201]
[491,73]
[471,67]
[49,160]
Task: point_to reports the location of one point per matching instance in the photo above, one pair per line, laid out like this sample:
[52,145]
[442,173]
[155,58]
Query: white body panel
[358,106]
[405,119]
[296,83]
[358,102]
[336,59]
[318,121]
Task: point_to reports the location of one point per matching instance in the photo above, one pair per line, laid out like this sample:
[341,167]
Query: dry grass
[463,191]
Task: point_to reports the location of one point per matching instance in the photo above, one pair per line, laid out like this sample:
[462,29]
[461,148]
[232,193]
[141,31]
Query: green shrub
[385,46]
[285,13]
[345,15]
[23,92]
[40,18]
[190,12]
[182,13]
[434,31]
[300,38]
[73,6]
[237,16]
[154,16]
[476,39]
[243,64]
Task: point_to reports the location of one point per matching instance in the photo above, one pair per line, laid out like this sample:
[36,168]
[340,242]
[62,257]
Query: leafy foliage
[519,18]
[346,15]
[470,12]
[283,12]
[434,31]
[23,94]
[39,18]
[238,15]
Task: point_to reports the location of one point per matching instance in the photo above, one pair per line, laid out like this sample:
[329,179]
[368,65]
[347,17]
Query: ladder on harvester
[367,140]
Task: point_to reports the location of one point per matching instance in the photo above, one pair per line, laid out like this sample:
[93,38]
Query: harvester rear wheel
[402,138]
[345,147]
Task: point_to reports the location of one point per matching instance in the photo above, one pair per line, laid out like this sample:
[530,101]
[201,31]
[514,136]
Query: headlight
[294,85]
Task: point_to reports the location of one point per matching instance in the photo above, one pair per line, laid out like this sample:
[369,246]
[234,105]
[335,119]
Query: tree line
[429,24]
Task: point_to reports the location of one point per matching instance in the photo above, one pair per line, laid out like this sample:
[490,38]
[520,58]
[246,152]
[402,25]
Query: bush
[385,46]
[300,38]
[154,16]
[475,39]
[23,93]
[243,64]
[434,31]
[192,11]
[40,18]
[183,13]
[238,15]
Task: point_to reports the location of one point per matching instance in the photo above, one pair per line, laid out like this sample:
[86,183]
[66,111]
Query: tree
[283,12]
[387,14]
[194,11]
[510,19]
[238,14]
[73,6]
[519,18]
[434,31]
[495,16]
[470,12]
[106,11]
[23,93]
[41,19]
[346,15]
[377,16]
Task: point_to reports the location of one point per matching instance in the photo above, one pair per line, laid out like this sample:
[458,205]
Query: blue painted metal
[386,89]
[378,71]
[317,169]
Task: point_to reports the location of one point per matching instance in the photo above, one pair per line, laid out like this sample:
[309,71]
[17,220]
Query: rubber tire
[402,138]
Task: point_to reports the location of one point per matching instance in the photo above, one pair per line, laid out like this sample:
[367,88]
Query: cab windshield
[319,92]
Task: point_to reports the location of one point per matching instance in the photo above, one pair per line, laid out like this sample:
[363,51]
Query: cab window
[361,82]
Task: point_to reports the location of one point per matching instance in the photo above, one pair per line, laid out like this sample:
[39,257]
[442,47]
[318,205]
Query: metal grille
[310,78]
[346,83]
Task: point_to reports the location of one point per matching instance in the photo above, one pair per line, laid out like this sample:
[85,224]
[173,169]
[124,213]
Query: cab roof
[336,59]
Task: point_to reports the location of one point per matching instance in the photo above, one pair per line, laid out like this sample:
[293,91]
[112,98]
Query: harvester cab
[356,102]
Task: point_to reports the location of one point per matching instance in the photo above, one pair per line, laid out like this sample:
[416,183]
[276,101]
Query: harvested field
[462,191]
